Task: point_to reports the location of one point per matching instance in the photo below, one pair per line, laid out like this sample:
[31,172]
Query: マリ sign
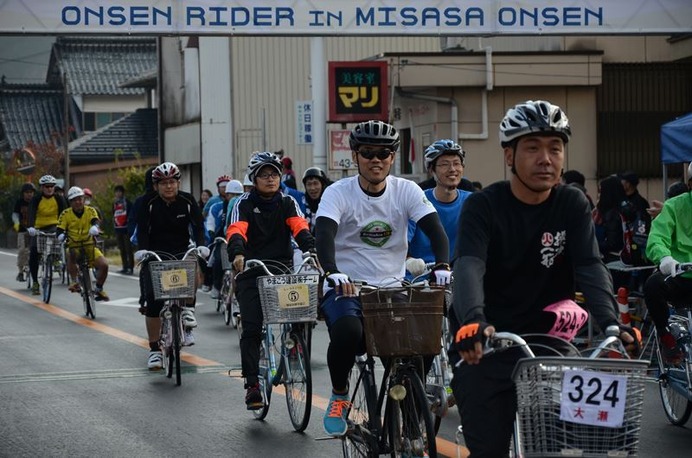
[357,91]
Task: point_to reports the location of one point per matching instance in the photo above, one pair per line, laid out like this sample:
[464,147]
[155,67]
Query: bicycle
[401,324]
[226,302]
[675,380]
[289,301]
[82,252]
[49,249]
[575,406]
[172,281]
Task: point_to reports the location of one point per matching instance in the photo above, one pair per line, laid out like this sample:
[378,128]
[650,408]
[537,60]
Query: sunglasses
[381,154]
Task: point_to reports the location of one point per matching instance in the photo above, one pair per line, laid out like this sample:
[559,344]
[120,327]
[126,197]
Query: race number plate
[593,398]
[172,279]
[293,296]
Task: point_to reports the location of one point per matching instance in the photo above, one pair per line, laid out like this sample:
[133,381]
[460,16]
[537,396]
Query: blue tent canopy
[676,140]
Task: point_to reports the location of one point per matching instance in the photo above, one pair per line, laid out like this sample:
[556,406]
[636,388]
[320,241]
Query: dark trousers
[125,247]
[251,315]
[658,293]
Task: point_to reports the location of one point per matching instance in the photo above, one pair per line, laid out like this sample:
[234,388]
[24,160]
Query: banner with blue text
[346,17]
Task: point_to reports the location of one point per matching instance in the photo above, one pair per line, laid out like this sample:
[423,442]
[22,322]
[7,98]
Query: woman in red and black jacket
[261,226]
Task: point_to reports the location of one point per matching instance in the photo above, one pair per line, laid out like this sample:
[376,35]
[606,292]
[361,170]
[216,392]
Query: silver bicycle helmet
[74,191]
[259,160]
[442,147]
[374,133]
[532,116]
[165,171]
[47,179]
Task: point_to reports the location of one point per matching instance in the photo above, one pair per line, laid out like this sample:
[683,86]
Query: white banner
[346,17]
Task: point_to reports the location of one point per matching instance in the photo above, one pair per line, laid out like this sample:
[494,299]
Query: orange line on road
[113,332]
[444,447]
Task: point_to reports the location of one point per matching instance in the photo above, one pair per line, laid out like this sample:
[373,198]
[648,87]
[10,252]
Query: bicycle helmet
[532,116]
[223,179]
[234,187]
[75,191]
[259,160]
[374,133]
[87,192]
[315,172]
[246,181]
[28,187]
[442,147]
[47,179]
[165,171]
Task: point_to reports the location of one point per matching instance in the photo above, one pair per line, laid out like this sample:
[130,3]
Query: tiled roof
[135,134]
[98,65]
[30,113]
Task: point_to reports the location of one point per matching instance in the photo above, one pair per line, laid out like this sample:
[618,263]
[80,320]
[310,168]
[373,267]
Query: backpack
[635,235]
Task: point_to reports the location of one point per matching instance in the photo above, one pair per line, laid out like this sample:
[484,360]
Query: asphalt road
[71,386]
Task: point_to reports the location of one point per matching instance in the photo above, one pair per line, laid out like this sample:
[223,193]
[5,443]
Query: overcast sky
[25,59]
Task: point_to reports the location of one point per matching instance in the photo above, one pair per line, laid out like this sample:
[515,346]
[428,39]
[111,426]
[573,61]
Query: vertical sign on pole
[304,122]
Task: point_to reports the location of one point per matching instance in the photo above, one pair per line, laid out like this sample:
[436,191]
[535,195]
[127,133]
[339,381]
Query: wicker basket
[289,298]
[544,434]
[402,321]
[173,279]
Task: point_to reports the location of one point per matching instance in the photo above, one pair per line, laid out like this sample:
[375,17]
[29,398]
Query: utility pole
[66,138]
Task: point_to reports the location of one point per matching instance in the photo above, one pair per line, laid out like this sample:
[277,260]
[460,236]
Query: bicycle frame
[78,251]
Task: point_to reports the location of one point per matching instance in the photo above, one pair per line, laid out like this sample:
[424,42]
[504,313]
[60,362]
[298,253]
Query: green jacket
[671,231]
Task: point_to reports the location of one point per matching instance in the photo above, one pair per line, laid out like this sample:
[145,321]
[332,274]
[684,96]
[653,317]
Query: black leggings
[657,294]
[251,315]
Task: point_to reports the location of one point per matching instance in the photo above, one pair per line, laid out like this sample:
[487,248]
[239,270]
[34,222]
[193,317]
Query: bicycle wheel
[47,279]
[672,384]
[436,392]
[265,376]
[87,291]
[225,297]
[29,280]
[361,439]
[298,381]
[409,420]
[177,343]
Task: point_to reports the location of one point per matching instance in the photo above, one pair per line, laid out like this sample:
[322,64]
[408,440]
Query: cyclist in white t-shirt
[361,234]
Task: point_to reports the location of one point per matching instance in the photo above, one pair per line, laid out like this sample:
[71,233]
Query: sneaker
[335,417]
[100,295]
[155,361]
[188,338]
[206,289]
[20,277]
[670,352]
[75,288]
[188,317]
[128,272]
[122,271]
[253,397]
[35,289]
[215,293]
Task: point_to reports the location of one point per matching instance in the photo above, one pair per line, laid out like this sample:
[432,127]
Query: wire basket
[289,298]
[542,402]
[402,321]
[43,245]
[173,279]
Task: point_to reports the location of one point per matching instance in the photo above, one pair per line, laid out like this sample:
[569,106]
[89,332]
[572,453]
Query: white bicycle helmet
[532,116]
[234,187]
[374,133]
[47,179]
[74,191]
[246,181]
[259,160]
[165,171]
[442,147]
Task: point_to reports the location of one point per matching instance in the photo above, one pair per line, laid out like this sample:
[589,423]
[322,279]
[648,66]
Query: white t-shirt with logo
[371,240]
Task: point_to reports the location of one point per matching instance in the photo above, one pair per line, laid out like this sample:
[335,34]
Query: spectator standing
[630,181]
[20,219]
[121,208]
[576,178]
[288,176]
[204,197]
[607,218]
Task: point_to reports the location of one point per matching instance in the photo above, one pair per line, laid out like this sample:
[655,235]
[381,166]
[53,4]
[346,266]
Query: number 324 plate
[593,398]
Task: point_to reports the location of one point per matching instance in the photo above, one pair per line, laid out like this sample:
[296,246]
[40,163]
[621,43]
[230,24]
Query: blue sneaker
[336,414]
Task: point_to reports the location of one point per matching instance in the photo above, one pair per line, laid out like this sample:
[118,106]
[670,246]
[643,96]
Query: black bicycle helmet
[532,116]
[28,187]
[315,172]
[259,160]
[441,147]
[374,133]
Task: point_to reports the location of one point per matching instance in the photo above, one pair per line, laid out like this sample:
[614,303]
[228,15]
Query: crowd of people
[515,249]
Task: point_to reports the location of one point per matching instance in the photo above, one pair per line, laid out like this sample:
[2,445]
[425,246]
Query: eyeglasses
[370,154]
[449,165]
[268,175]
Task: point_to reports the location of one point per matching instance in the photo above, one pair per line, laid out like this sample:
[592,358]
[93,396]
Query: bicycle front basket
[42,244]
[173,279]
[402,321]
[288,298]
[579,406]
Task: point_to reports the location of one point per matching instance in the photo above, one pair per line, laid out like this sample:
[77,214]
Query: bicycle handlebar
[152,254]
